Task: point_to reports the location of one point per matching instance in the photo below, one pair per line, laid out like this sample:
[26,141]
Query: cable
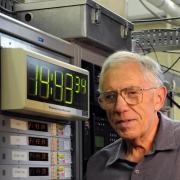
[2,8]
[168,68]
[173,29]
[155,20]
[172,65]
[171,52]
[153,13]
[141,47]
[171,69]
[154,51]
[6,10]
[173,101]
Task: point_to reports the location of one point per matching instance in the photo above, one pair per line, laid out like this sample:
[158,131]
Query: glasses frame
[103,105]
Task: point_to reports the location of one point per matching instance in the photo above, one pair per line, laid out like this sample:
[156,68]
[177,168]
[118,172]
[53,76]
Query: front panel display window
[56,85]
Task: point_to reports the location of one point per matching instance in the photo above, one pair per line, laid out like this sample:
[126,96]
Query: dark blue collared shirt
[163,163]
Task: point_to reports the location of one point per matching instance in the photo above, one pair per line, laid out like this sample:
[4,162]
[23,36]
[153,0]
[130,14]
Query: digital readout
[37,126]
[38,156]
[38,171]
[35,141]
[47,82]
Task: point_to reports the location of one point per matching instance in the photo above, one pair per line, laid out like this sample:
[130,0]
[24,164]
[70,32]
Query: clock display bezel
[14,86]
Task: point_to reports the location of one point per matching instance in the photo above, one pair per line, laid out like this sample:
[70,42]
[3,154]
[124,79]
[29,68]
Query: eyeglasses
[132,95]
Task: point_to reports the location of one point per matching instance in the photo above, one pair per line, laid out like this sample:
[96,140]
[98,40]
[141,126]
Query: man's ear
[160,96]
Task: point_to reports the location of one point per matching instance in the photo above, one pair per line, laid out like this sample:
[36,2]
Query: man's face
[131,121]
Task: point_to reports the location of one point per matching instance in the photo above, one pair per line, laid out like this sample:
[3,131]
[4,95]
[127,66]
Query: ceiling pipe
[168,6]
[176,1]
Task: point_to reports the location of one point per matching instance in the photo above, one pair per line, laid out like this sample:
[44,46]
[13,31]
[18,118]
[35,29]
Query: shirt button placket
[137,171]
[136,175]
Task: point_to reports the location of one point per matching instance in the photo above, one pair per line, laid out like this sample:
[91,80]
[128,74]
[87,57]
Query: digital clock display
[38,156]
[35,141]
[37,126]
[36,84]
[38,171]
[54,84]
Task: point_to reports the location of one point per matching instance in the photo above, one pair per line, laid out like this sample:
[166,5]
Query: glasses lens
[107,99]
[132,95]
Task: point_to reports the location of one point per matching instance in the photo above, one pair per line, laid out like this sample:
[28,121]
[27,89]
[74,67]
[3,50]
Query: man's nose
[120,105]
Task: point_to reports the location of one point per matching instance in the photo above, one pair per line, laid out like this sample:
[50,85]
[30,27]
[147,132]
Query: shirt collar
[164,140]
[116,153]
[165,137]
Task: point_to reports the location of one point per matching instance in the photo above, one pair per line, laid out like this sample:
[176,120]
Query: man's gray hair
[147,64]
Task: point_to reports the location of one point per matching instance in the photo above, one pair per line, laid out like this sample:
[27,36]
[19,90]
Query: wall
[117,6]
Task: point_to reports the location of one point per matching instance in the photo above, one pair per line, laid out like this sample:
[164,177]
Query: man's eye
[132,93]
[110,96]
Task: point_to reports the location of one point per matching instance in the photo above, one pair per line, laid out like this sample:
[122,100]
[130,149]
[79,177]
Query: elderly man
[132,93]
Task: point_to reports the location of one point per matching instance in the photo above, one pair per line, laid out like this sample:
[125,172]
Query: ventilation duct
[168,6]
